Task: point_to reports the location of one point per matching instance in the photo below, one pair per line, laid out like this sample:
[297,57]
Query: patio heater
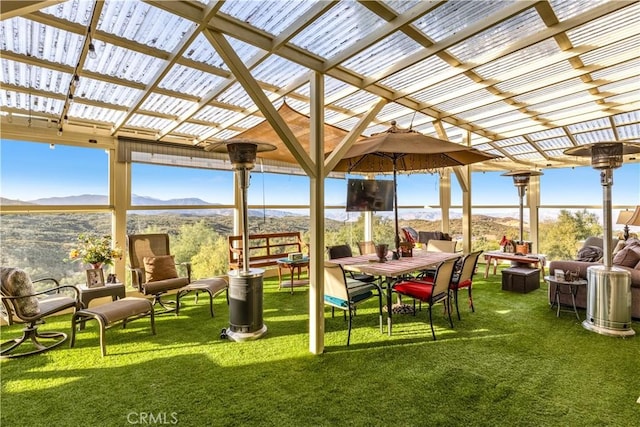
[608,287]
[245,284]
[521,181]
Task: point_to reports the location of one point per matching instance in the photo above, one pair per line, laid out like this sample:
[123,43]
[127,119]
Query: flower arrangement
[93,249]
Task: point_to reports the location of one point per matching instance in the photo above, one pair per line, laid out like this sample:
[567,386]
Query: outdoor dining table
[393,269]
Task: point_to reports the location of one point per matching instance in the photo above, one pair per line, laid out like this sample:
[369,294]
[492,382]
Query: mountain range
[335,214]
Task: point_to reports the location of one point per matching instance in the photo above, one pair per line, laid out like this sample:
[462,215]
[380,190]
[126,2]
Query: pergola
[523,80]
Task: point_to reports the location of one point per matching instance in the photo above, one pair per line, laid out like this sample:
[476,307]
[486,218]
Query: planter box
[518,279]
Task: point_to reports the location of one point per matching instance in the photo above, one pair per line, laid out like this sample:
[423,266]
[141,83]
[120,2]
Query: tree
[205,249]
[559,239]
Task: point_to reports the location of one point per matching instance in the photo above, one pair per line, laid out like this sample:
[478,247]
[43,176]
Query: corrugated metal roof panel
[338,29]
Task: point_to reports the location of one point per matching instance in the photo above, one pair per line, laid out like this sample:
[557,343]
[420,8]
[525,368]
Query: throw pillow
[160,268]
[619,246]
[16,282]
[628,257]
[589,254]
[410,234]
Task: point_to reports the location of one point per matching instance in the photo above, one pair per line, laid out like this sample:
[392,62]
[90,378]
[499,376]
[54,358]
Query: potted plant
[95,250]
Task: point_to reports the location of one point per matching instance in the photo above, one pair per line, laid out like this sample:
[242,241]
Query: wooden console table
[495,256]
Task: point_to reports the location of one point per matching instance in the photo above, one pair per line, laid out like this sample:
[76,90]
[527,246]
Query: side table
[113,290]
[573,290]
[292,266]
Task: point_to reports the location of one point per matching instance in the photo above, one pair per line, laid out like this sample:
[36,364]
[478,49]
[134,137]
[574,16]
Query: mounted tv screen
[369,195]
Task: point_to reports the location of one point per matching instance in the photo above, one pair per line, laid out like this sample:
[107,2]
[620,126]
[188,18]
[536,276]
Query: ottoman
[212,286]
[124,309]
[519,279]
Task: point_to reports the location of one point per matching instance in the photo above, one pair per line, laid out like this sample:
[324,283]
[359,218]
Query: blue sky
[30,171]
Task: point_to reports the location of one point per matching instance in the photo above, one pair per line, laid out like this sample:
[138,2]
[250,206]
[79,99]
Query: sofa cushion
[589,254]
[628,256]
[160,268]
[619,246]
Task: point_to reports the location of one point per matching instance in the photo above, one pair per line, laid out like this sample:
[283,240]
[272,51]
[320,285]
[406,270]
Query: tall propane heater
[245,284]
[521,181]
[608,287]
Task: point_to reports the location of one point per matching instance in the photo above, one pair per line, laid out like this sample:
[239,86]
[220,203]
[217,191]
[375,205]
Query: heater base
[246,336]
[608,331]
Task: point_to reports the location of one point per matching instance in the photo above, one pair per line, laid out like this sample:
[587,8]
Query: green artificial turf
[511,363]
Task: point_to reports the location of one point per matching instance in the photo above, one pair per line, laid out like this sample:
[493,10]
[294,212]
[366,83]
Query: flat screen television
[369,195]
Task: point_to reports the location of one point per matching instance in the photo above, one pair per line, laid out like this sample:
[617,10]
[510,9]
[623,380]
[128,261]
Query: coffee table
[573,290]
[292,266]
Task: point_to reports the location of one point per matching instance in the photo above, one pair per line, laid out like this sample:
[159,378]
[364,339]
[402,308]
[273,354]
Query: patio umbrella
[404,150]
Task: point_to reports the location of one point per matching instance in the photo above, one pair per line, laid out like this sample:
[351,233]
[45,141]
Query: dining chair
[345,294]
[441,246]
[367,247]
[430,291]
[344,251]
[464,278]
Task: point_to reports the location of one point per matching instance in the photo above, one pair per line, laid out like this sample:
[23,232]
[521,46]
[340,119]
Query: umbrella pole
[395,205]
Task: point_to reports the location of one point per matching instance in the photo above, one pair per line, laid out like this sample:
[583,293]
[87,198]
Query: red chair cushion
[416,289]
[463,284]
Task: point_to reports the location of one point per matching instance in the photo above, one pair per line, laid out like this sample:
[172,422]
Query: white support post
[316,211]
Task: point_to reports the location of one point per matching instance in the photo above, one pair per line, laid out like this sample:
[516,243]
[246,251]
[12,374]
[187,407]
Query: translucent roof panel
[415,74]
[597,32]
[483,70]
[148,122]
[144,24]
[95,114]
[27,76]
[340,28]
[216,115]
[594,136]
[568,9]
[40,41]
[272,16]
[124,63]
[387,52]
[107,92]
[277,71]
[524,59]
[162,103]
[453,17]
[499,36]
[189,80]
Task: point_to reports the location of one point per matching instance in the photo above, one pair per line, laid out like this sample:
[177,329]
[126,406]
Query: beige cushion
[160,268]
[619,246]
[628,257]
[16,282]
